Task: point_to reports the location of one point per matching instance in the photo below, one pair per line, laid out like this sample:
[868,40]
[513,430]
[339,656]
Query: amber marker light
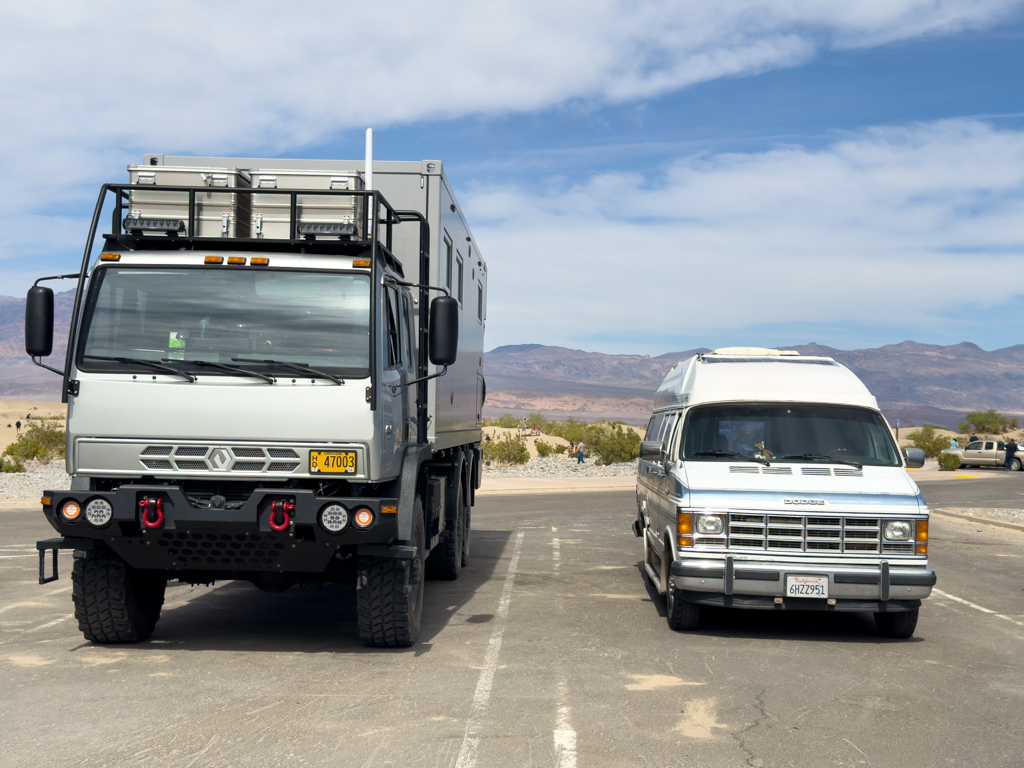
[684,527]
[45,501]
[363,517]
[71,510]
[922,537]
[360,262]
[213,260]
[110,257]
[389,510]
[236,260]
[259,261]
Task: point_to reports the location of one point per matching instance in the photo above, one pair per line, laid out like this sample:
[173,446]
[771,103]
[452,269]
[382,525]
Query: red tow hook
[282,507]
[152,512]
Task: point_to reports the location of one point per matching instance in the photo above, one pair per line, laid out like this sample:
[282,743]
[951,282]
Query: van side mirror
[914,457]
[651,450]
[444,330]
[39,321]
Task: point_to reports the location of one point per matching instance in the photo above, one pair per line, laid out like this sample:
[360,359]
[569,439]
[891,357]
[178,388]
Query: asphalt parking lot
[549,651]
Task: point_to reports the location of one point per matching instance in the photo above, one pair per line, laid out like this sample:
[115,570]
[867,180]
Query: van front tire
[683,616]
[897,625]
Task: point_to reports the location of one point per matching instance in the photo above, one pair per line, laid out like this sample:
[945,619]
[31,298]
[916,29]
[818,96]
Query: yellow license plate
[332,462]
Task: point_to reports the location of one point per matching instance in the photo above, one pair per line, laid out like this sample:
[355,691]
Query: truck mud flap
[55,545]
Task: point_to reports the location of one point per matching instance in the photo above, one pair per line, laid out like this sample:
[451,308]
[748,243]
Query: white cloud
[892,226]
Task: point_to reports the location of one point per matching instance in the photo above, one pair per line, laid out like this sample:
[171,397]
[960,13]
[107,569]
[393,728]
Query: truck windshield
[180,314]
[790,432]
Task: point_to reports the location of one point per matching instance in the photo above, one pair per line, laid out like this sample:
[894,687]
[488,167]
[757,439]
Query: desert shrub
[506,420]
[544,449]
[511,449]
[560,449]
[607,441]
[931,443]
[990,422]
[948,462]
[42,441]
[11,466]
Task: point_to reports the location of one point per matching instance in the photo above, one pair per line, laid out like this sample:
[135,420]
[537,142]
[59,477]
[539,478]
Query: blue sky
[642,177]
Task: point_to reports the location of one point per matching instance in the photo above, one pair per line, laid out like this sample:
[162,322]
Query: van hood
[785,487]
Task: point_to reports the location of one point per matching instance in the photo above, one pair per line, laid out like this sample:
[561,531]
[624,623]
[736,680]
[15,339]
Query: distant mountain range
[915,382]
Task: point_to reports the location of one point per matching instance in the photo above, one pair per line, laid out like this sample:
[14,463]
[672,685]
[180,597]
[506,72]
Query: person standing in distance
[1011,452]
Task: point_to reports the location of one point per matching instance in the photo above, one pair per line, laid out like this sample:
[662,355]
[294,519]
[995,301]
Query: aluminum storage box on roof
[271,214]
[219,213]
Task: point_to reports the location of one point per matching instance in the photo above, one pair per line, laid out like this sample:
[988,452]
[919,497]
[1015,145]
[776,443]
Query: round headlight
[363,517]
[711,525]
[897,530]
[334,518]
[99,512]
[71,511]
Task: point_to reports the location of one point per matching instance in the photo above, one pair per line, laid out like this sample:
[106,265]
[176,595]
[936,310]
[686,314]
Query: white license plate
[807,586]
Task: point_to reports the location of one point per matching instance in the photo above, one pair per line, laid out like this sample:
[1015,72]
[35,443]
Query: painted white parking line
[976,607]
[556,553]
[51,623]
[565,735]
[482,695]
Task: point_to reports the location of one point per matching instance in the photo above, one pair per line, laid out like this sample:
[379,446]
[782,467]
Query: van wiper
[232,369]
[139,361]
[823,457]
[734,454]
[293,366]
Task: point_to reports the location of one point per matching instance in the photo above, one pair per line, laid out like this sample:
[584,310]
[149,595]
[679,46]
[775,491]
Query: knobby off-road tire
[389,594]
[899,625]
[445,560]
[466,515]
[115,603]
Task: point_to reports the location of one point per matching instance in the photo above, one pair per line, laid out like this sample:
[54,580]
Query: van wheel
[389,594]
[899,625]
[115,603]
[683,616]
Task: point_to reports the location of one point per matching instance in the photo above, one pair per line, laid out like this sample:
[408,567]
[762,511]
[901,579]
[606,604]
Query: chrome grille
[247,466]
[844,472]
[157,463]
[816,471]
[191,464]
[776,470]
[191,450]
[743,470]
[797,533]
[282,453]
[282,466]
[248,453]
[157,450]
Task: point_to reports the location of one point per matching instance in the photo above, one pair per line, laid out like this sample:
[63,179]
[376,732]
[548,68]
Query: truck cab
[252,385]
[771,481]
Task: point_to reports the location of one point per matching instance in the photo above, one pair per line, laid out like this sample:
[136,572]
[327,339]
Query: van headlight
[710,525]
[897,530]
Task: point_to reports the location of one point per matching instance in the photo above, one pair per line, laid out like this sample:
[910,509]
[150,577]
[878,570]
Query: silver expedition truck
[771,481]
[274,373]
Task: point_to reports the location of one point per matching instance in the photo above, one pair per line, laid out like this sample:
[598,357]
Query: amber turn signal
[236,260]
[71,510]
[213,260]
[684,523]
[922,530]
[363,517]
[361,263]
[389,510]
[45,501]
[685,541]
[110,257]
[259,261]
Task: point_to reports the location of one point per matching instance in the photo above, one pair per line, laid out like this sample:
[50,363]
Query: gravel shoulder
[34,480]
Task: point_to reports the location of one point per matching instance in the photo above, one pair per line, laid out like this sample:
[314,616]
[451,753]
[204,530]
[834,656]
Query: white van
[771,481]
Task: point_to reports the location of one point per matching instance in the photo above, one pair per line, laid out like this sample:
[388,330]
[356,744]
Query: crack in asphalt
[752,759]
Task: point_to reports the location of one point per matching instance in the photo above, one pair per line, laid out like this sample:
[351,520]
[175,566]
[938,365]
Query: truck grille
[768,532]
[206,458]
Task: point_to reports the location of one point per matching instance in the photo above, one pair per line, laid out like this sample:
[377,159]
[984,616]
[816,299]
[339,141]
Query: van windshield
[790,432]
[178,315]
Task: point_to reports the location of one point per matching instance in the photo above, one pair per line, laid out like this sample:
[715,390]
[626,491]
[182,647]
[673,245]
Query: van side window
[658,423]
[458,275]
[447,261]
[670,422]
[410,361]
[649,432]
[394,342]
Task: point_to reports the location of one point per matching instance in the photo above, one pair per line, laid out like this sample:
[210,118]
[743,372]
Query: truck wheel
[445,560]
[389,594]
[115,603]
[1015,465]
[466,515]
[683,616]
[900,625]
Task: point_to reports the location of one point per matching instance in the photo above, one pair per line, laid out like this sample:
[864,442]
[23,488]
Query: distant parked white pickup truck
[984,453]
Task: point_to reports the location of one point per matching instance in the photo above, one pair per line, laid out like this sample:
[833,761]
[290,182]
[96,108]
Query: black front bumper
[207,539]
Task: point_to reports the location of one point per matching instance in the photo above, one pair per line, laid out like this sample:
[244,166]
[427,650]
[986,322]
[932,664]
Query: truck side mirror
[444,330]
[651,450]
[914,457]
[39,321]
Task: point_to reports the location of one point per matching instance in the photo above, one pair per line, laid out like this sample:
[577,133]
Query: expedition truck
[771,481]
[274,374]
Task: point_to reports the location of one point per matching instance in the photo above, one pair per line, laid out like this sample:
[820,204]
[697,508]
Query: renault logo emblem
[220,459]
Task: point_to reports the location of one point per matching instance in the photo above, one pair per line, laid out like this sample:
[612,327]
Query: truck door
[393,393]
[974,454]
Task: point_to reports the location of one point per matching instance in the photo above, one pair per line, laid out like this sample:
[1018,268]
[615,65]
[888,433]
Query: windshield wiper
[732,453]
[823,457]
[231,369]
[139,361]
[294,366]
